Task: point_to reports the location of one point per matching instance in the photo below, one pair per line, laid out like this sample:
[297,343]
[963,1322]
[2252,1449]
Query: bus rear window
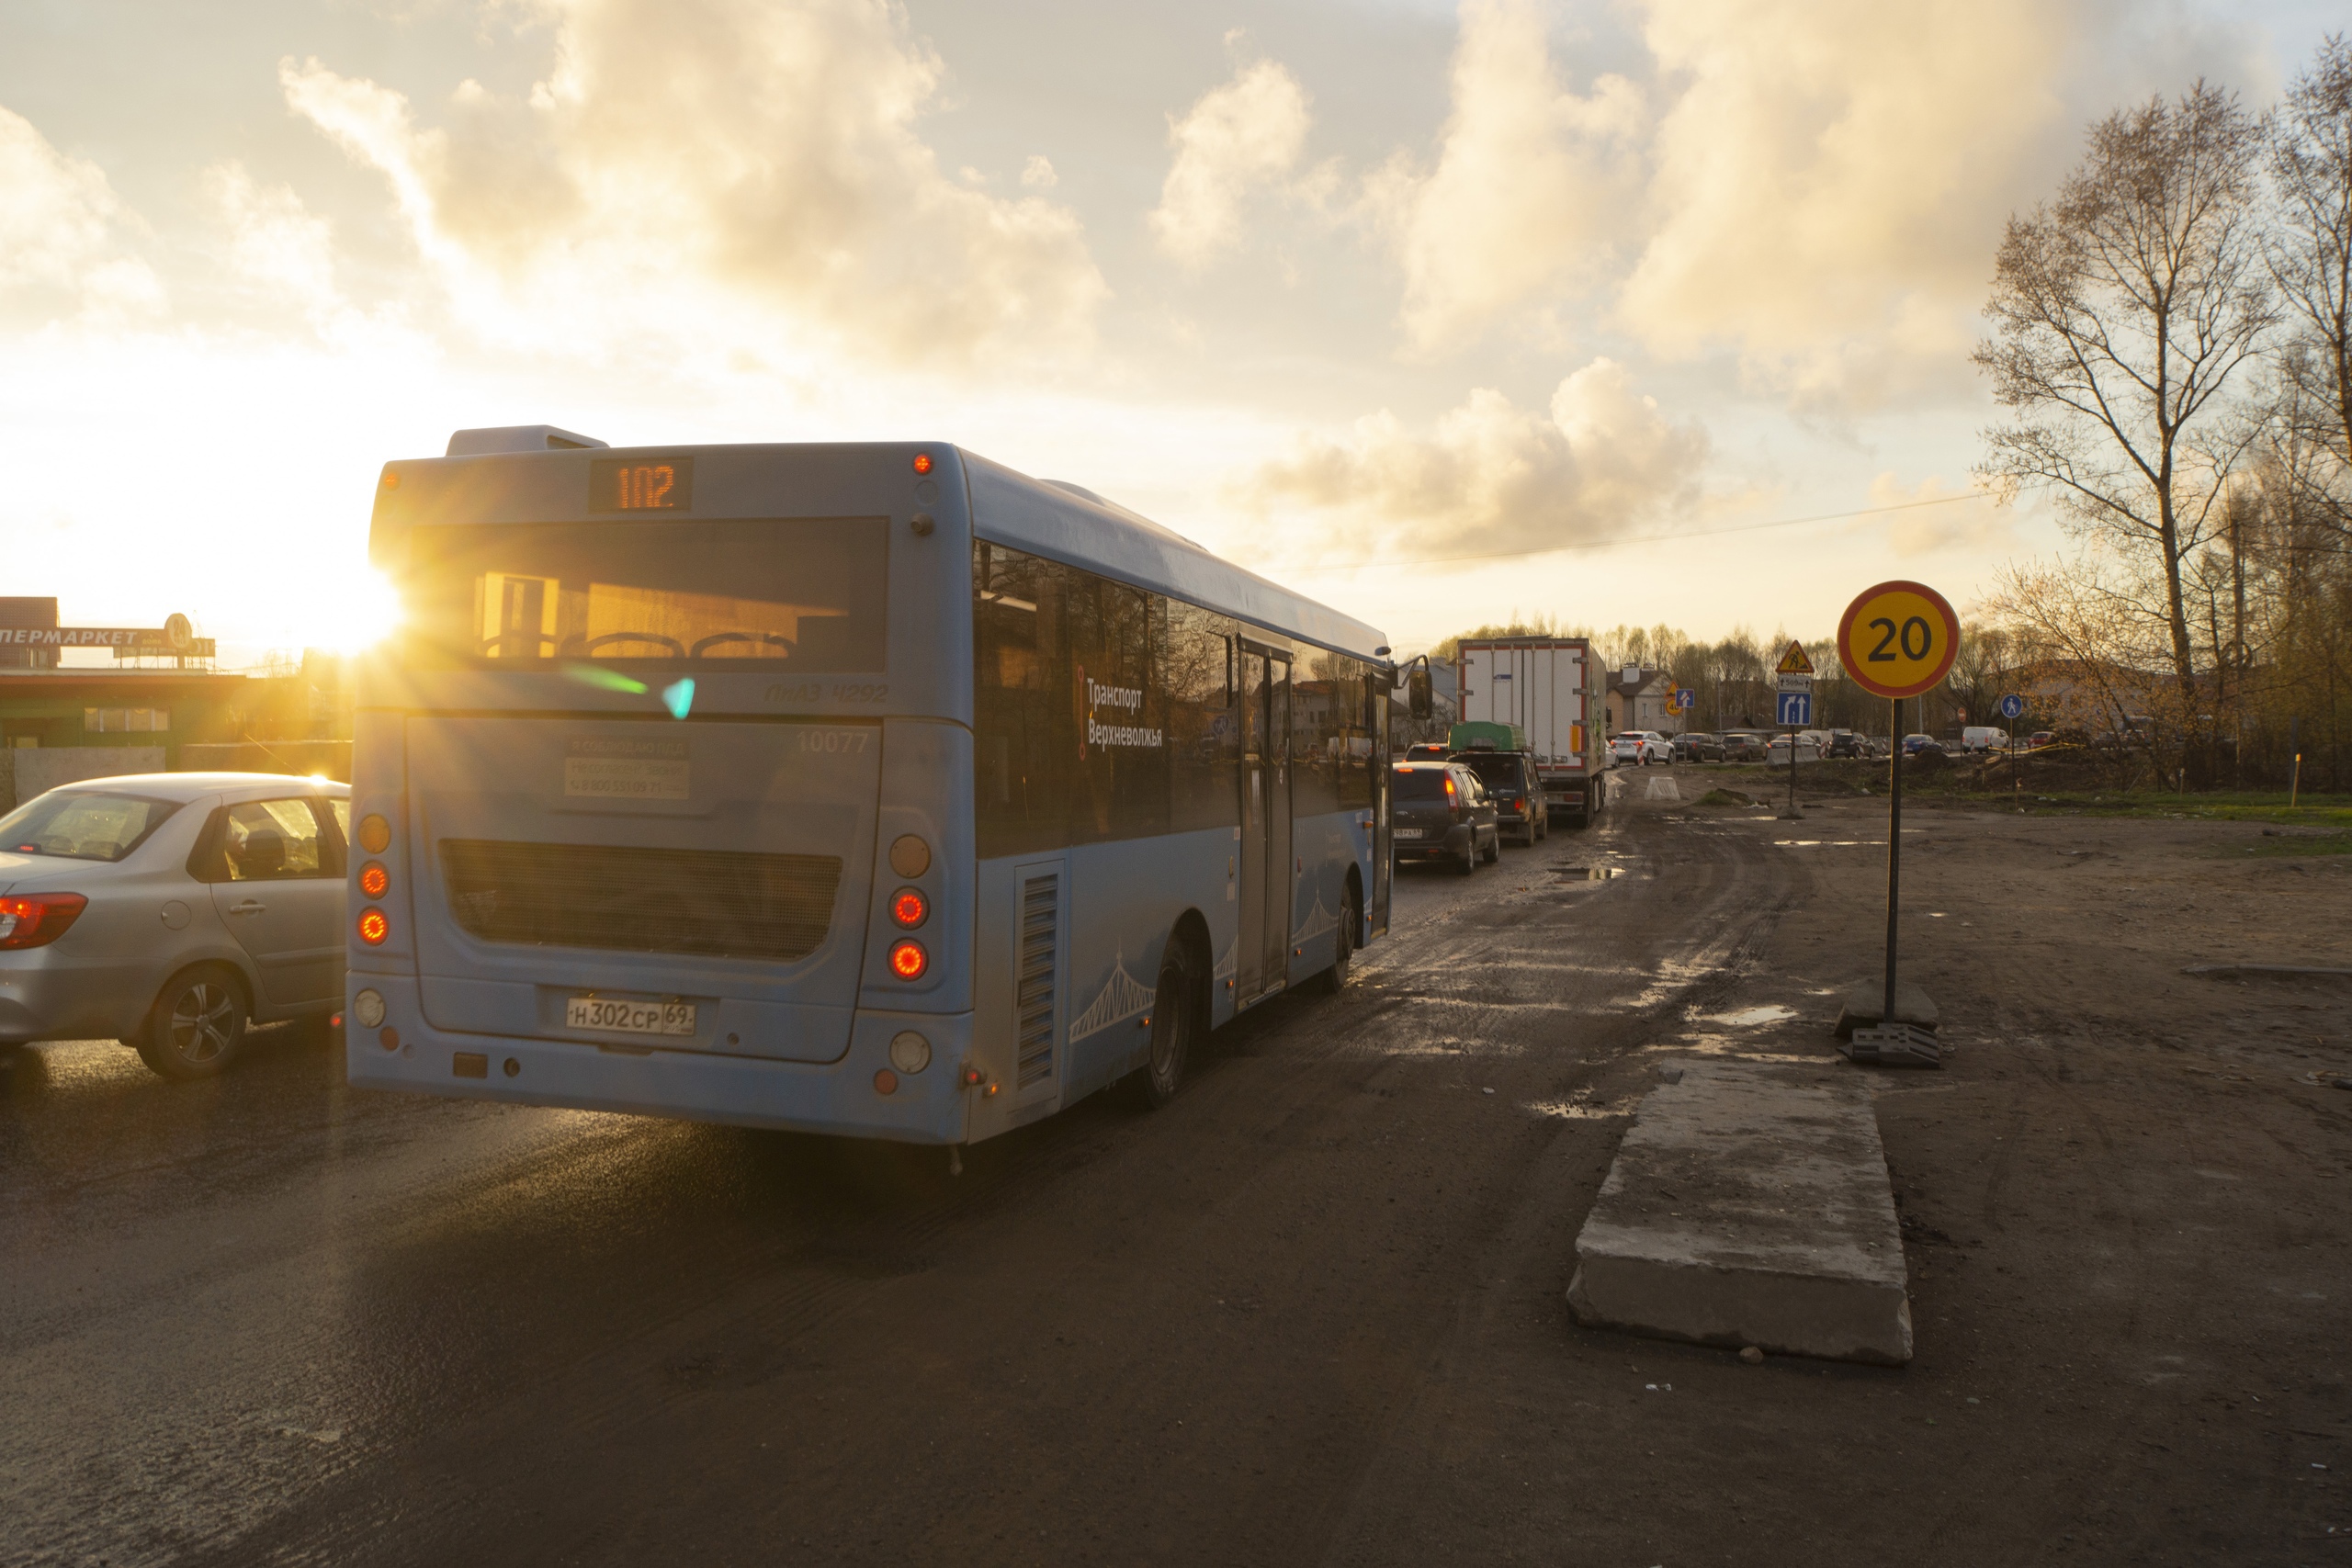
[796,594]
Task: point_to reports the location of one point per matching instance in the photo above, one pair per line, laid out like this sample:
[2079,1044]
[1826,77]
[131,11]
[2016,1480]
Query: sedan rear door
[275,867]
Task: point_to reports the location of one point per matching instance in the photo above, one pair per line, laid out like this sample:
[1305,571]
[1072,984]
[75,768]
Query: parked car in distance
[1510,777]
[2039,739]
[1915,744]
[172,910]
[1808,749]
[1983,738]
[1428,752]
[1846,743]
[1744,745]
[1698,746]
[1640,747]
[1440,811]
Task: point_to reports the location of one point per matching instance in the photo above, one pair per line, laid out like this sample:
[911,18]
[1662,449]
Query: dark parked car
[1510,777]
[1846,743]
[1440,811]
[1745,746]
[1915,744]
[1697,745]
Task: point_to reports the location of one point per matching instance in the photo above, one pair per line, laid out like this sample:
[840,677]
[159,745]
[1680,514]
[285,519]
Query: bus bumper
[840,1098]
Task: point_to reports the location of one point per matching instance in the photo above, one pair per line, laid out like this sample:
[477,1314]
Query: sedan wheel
[197,1024]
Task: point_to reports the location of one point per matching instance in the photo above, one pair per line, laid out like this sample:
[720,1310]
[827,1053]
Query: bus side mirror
[1416,693]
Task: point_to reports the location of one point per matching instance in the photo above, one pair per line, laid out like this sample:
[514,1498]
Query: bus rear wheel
[1335,978]
[1175,1022]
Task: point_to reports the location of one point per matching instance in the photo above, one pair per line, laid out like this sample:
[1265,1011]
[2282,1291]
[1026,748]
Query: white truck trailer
[1550,687]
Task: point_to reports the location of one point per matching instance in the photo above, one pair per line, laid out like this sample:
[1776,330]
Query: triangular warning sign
[1794,661]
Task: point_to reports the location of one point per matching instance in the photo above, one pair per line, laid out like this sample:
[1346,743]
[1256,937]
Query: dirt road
[1311,1312]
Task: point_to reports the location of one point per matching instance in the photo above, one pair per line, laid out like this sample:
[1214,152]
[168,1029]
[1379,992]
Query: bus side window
[1024,740]
[1204,729]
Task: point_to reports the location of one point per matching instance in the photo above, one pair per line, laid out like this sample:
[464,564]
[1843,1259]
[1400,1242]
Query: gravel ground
[1311,1312]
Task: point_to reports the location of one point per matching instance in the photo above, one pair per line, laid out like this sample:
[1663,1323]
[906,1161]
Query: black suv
[1440,811]
[1510,777]
[1846,743]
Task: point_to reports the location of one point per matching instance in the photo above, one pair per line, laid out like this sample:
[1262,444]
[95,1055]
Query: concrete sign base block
[1749,1205]
[1865,1001]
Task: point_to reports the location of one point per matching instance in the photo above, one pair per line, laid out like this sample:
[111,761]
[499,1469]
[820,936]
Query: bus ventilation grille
[715,903]
[1041,905]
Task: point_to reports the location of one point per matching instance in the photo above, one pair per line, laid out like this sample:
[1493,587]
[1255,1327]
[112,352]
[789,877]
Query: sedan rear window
[83,825]
[1420,784]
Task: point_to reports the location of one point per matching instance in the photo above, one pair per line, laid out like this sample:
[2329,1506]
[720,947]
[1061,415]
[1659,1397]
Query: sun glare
[371,612]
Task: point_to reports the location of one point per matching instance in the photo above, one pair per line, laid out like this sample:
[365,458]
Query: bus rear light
[36,919]
[910,908]
[367,1006]
[922,462]
[908,960]
[375,834]
[886,1082]
[374,928]
[374,880]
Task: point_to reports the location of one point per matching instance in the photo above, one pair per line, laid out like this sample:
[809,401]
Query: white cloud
[1939,517]
[64,234]
[1237,138]
[1533,187]
[1831,182]
[275,244]
[772,150]
[1490,476]
[1037,173]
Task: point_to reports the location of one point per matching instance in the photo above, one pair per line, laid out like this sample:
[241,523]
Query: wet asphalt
[270,1318]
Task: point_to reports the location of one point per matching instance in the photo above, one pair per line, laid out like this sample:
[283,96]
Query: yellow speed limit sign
[1898,639]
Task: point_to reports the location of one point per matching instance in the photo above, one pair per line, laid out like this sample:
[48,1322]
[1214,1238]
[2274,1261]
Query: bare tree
[2120,315]
[2310,247]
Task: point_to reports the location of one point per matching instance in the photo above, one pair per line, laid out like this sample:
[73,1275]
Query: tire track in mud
[864,1231]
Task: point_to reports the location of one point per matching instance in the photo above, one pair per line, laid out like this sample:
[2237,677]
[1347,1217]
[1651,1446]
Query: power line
[1637,538]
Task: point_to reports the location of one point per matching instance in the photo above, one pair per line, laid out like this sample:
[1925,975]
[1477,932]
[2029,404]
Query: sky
[1645,311]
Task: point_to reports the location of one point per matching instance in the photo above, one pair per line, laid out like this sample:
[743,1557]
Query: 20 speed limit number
[1898,639]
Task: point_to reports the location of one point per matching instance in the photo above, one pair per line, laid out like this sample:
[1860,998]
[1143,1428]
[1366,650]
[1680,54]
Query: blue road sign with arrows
[2013,707]
[1795,709]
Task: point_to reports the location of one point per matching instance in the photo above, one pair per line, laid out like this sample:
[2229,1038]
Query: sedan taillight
[36,919]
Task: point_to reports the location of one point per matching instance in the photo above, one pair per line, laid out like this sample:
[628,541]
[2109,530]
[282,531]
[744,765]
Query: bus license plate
[1404,832]
[618,1015]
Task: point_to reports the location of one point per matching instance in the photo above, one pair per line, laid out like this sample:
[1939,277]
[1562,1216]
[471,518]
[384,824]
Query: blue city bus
[872,789]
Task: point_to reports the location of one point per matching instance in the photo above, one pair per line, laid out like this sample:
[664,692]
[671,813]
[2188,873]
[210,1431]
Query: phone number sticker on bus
[596,768]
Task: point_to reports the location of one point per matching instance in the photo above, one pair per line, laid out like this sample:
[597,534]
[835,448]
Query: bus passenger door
[1261,963]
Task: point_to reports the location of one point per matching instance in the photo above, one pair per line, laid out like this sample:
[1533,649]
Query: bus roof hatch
[516,438]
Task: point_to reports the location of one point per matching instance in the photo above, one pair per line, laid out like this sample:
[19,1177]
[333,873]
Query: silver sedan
[171,910]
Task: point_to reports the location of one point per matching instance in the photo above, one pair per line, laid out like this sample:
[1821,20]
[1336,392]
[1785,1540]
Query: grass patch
[2287,843]
[1724,797]
[2332,811]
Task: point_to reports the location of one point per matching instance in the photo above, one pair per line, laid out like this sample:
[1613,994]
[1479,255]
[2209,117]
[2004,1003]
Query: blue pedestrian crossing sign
[1795,709]
[2013,707]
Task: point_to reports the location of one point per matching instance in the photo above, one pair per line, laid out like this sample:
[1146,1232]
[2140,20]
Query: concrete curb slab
[1749,1205]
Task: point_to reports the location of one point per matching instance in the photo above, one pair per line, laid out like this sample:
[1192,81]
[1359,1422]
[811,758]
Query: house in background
[1637,698]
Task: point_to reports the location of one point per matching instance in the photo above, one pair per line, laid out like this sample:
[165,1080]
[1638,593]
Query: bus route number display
[1898,639]
[640,484]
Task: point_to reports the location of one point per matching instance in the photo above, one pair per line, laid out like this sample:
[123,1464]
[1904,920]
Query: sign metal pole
[1894,855]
